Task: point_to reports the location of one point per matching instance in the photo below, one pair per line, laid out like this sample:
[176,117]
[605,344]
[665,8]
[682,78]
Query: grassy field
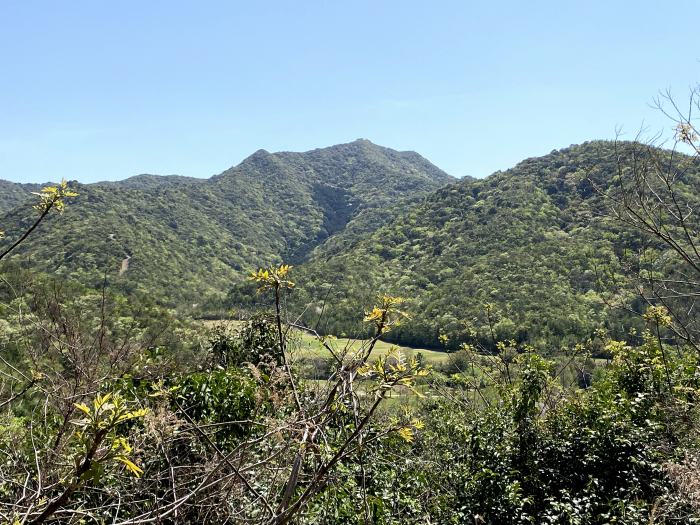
[306,345]
[309,346]
[304,348]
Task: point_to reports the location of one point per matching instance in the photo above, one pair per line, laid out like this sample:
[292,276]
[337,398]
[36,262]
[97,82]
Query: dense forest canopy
[206,234]
[531,243]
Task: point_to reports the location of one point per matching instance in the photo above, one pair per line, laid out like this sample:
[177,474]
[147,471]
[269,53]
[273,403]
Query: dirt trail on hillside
[125,265]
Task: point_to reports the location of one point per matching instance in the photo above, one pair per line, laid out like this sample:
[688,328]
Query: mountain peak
[270,207]
[365,142]
[257,155]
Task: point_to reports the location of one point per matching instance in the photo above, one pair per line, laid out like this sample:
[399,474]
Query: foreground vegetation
[101,424]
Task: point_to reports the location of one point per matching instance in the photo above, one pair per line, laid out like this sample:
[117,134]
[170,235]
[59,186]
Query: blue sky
[105,90]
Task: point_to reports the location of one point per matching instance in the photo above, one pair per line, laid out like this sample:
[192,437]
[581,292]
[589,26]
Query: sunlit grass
[303,344]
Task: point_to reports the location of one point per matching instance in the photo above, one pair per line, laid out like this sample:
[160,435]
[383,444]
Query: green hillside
[13,194]
[184,240]
[513,255]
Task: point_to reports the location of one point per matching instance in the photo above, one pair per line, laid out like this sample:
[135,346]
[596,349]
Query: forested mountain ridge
[147,181]
[180,239]
[13,194]
[358,219]
[517,252]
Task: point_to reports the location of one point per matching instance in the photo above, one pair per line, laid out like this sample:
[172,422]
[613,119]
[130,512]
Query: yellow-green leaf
[406,434]
[82,407]
[130,466]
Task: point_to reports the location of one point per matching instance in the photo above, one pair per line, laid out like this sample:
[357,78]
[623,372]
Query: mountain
[148,182]
[182,240]
[13,194]
[514,255]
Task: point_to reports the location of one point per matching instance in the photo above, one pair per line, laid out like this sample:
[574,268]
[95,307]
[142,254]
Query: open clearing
[307,345]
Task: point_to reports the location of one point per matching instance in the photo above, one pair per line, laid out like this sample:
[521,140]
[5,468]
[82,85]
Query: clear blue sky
[94,90]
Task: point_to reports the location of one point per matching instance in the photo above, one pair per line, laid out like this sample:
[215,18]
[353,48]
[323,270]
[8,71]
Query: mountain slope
[13,194]
[185,239]
[516,252]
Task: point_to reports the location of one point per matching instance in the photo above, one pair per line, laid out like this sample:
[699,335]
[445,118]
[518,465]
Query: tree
[657,193]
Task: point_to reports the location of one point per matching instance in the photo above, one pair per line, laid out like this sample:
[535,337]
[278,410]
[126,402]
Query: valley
[491,344]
